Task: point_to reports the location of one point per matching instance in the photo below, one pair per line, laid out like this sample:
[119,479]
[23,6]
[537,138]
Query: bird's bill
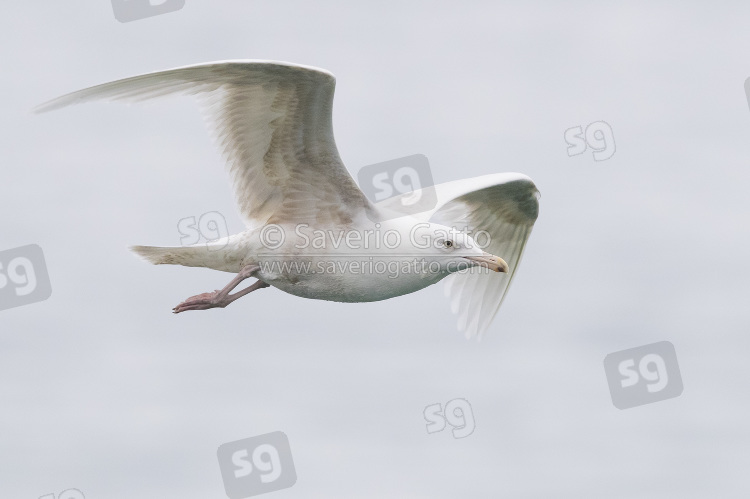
[492,262]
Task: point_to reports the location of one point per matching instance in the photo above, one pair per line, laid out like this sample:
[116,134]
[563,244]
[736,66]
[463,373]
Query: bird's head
[455,250]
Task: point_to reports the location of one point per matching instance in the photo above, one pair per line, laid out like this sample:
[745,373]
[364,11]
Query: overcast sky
[104,390]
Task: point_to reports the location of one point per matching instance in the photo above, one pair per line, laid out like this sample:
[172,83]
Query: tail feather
[188,256]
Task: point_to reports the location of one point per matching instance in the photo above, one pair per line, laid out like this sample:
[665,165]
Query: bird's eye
[448,243]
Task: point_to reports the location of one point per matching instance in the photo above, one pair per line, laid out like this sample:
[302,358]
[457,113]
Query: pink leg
[222,298]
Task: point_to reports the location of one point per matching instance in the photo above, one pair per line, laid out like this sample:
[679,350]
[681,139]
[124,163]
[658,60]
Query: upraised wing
[505,205]
[272,122]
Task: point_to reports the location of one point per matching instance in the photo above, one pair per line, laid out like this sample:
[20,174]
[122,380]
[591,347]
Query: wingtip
[41,108]
[471,331]
[50,105]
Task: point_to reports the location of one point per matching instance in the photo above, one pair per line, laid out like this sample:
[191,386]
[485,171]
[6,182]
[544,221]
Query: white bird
[310,230]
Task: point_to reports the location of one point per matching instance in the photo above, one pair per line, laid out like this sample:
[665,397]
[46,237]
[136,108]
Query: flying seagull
[310,230]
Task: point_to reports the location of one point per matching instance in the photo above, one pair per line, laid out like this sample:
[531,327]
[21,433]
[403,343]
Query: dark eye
[449,244]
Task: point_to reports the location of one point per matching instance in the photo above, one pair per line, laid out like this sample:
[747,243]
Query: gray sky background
[104,390]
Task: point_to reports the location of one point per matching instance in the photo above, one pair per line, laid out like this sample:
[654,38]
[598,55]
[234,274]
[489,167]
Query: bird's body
[360,262]
[311,231]
[337,272]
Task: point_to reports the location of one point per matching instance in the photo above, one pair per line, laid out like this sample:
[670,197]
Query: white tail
[209,256]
